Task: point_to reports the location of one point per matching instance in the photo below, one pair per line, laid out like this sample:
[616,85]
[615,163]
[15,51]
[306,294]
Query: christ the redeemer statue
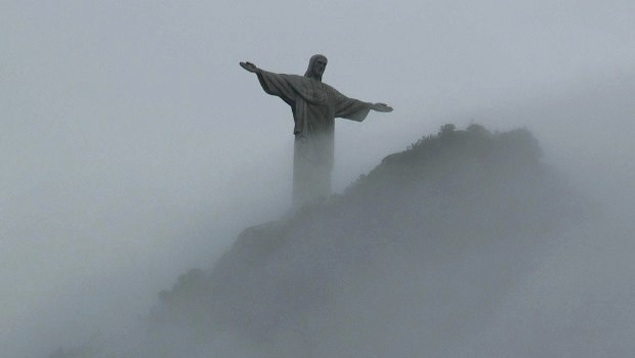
[315,105]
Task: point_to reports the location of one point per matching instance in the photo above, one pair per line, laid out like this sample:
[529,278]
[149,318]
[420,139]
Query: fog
[133,147]
[578,302]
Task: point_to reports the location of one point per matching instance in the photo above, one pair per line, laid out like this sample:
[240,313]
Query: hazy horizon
[133,146]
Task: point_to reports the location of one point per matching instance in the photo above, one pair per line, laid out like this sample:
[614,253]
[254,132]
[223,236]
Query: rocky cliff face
[410,259]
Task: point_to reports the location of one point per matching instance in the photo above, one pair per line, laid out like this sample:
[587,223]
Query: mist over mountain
[413,258]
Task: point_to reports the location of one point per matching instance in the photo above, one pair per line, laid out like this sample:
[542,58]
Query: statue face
[318,67]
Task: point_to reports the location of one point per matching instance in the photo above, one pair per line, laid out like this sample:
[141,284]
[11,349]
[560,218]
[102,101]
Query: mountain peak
[461,202]
[412,257]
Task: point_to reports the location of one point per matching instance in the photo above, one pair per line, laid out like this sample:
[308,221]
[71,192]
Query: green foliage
[490,185]
[458,193]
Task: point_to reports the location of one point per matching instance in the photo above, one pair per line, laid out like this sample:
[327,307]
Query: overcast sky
[133,146]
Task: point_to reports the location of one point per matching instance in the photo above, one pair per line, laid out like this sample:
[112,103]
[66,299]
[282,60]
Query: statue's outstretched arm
[249,67]
[380,107]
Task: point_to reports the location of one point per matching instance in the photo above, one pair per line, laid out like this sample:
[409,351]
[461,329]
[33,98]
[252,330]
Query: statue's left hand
[381,107]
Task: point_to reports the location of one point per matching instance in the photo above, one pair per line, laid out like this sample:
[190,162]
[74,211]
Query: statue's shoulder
[329,87]
[289,76]
[276,74]
[332,90]
[293,79]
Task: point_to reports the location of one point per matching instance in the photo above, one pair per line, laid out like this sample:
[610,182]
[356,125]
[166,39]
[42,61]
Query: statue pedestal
[311,174]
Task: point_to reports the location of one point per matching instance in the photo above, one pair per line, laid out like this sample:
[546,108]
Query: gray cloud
[129,133]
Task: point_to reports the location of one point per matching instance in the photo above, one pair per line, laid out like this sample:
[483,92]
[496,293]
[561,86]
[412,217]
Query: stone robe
[315,105]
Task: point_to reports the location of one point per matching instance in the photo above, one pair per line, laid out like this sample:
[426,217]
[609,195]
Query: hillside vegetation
[411,258]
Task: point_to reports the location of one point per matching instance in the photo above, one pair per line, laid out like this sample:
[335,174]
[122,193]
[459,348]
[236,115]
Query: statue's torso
[317,106]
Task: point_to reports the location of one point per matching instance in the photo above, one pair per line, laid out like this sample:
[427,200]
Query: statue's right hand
[381,107]
[249,67]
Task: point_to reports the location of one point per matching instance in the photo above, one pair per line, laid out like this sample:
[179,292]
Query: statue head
[317,65]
